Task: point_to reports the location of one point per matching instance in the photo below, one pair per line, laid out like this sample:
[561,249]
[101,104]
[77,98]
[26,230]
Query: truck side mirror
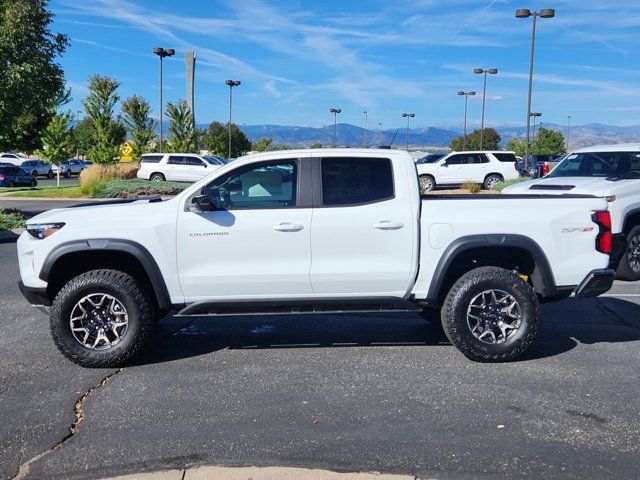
[200,203]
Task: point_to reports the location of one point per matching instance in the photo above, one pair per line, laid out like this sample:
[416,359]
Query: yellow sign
[125,153]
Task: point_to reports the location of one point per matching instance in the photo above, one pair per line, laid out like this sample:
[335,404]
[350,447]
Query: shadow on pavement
[7,236]
[564,325]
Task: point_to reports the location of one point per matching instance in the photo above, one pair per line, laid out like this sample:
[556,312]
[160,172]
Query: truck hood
[597,186]
[107,210]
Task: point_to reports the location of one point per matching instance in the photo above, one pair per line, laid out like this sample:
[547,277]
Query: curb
[258,473]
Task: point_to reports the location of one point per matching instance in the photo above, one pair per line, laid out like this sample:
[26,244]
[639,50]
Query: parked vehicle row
[609,171]
[242,240]
[486,168]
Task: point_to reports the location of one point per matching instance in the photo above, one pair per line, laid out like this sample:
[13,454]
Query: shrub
[138,188]
[92,179]
[473,187]
[10,219]
[499,186]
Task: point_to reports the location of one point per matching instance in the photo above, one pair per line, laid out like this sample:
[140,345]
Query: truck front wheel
[491,315]
[101,318]
[629,266]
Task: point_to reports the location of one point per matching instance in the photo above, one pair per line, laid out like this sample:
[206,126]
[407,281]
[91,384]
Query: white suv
[179,167]
[12,158]
[487,168]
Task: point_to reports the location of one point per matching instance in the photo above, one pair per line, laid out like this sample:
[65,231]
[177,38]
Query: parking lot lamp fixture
[484,71]
[568,132]
[335,112]
[466,97]
[526,13]
[408,116]
[535,115]
[162,52]
[366,121]
[231,83]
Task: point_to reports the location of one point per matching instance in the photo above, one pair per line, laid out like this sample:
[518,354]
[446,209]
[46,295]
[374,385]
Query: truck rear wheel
[101,318]
[629,266]
[491,315]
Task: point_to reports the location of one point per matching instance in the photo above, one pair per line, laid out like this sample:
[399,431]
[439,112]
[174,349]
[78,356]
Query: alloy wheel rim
[99,321]
[634,253]
[494,316]
[492,181]
[426,183]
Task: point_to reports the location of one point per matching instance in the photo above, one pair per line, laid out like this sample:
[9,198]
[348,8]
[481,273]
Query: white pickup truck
[312,231]
[609,171]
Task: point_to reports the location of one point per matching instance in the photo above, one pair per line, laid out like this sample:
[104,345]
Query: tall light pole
[568,131]
[324,136]
[162,52]
[231,83]
[408,116]
[484,71]
[466,97]
[335,112]
[380,132]
[78,112]
[526,13]
[366,122]
[535,115]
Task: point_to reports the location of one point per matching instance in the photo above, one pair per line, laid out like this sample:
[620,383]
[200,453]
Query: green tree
[138,124]
[315,145]
[491,141]
[56,139]
[99,105]
[183,137]
[548,141]
[516,145]
[81,136]
[31,82]
[262,144]
[215,139]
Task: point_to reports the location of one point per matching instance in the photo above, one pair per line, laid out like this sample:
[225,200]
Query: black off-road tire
[50,174]
[67,174]
[128,292]
[624,270]
[454,314]
[490,180]
[35,173]
[33,183]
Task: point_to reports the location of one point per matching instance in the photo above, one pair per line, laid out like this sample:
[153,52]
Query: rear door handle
[288,227]
[388,225]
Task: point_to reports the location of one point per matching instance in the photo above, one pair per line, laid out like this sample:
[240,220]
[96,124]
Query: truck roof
[327,151]
[619,147]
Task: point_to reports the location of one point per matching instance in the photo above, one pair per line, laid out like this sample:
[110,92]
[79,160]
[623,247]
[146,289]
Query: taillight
[2,177]
[603,240]
[546,169]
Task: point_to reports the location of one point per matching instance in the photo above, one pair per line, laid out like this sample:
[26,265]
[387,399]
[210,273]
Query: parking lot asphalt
[383,392]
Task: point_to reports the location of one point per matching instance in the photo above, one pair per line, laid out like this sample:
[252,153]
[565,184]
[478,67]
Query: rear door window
[151,158]
[176,160]
[194,161]
[354,181]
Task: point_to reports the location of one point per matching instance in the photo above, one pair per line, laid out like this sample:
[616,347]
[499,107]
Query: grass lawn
[50,191]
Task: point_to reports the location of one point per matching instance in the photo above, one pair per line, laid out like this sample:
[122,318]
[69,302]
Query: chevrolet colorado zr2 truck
[312,231]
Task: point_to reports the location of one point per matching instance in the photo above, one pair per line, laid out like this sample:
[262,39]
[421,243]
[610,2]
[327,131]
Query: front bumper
[35,296]
[596,283]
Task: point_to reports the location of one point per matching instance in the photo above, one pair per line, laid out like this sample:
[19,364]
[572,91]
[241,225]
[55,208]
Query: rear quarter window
[506,157]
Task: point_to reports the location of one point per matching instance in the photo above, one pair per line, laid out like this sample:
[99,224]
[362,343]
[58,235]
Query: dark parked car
[540,164]
[12,176]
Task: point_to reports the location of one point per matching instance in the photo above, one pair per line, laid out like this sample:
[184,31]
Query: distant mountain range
[424,138]
[427,137]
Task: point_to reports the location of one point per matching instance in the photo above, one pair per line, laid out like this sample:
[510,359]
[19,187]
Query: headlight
[43,230]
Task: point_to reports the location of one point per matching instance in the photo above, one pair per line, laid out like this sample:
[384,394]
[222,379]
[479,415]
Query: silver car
[38,167]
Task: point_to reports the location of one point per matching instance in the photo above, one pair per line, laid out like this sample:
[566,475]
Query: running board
[297,307]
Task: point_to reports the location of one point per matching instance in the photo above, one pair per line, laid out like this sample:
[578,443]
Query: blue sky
[297,59]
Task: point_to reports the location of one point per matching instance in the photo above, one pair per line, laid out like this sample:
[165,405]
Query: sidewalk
[259,473]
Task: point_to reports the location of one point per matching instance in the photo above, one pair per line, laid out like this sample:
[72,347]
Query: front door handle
[287,227]
[388,225]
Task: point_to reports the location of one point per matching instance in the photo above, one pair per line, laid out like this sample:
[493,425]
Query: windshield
[214,160]
[431,158]
[599,164]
